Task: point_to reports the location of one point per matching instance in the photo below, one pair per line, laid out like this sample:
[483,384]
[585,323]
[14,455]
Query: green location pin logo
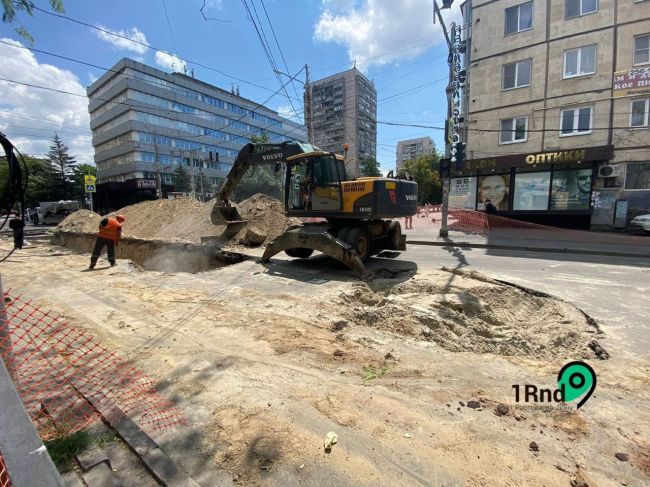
[576,379]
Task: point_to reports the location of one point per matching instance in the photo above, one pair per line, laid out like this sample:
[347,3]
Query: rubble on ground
[473,314]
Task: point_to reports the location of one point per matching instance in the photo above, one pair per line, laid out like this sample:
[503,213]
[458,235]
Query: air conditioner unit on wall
[609,171]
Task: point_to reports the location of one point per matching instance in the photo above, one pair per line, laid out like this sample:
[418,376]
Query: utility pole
[201,179]
[158,179]
[309,108]
[193,180]
[452,112]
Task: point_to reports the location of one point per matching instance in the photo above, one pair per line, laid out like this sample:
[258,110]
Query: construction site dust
[178,235]
[411,372]
[461,311]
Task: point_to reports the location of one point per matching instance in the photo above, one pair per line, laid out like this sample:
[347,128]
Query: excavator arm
[253,154]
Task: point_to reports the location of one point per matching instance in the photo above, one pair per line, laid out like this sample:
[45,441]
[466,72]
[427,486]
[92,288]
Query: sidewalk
[556,240]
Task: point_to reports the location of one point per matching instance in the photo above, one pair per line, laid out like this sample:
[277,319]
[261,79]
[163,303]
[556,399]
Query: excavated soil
[476,314]
[82,221]
[184,220]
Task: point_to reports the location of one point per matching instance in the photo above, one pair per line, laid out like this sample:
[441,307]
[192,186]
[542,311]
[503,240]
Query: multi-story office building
[145,123]
[556,110]
[410,150]
[343,109]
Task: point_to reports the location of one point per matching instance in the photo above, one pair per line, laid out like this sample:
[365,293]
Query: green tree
[63,165]
[182,181]
[41,182]
[370,167]
[260,179]
[263,138]
[425,172]
[11,7]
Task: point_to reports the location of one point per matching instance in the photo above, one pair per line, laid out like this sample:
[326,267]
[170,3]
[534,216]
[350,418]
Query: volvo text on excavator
[357,216]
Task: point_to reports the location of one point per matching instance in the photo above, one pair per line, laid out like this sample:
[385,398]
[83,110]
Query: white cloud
[170,61]
[381,31]
[30,116]
[287,112]
[122,43]
[92,77]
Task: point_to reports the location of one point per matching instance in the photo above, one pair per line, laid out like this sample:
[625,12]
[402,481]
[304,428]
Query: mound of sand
[184,219]
[475,316]
[264,214]
[83,221]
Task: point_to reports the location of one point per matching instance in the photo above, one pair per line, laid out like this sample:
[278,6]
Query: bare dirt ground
[265,361]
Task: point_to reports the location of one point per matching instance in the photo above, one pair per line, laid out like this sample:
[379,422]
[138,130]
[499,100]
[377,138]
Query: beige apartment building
[343,110]
[556,110]
[411,149]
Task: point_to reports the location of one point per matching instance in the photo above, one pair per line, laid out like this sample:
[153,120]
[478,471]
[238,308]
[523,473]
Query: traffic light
[460,156]
[445,164]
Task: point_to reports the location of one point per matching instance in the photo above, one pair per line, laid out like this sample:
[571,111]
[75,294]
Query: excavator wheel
[394,235]
[359,240]
[299,252]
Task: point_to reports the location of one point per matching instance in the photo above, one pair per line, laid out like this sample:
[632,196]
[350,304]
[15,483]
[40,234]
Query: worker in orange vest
[110,233]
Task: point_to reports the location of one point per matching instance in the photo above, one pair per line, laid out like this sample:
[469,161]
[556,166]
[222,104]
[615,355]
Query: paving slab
[101,476]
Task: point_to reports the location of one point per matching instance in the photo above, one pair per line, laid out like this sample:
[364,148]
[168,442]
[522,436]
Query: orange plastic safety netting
[60,372]
[427,222]
[4,475]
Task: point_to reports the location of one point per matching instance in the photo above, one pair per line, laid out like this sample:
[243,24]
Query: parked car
[642,222]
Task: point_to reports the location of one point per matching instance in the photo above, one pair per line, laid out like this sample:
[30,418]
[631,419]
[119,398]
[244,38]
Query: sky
[393,42]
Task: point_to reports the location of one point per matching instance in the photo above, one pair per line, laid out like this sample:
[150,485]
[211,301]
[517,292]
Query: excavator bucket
[230,218]
[317,238]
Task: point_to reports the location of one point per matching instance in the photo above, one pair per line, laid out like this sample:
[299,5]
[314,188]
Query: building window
[642,49]
[519,18]
[513,130]
[580,61]
[576,8]
[637,176]
[639,112]
[576,121]
[516,75]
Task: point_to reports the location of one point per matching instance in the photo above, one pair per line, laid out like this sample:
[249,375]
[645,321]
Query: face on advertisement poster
[571,189]
[495,189]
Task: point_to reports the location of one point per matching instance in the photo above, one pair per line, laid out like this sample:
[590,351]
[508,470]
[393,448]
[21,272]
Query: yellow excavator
[356,215]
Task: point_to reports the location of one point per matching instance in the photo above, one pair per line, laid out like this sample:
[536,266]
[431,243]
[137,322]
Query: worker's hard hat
[120,218]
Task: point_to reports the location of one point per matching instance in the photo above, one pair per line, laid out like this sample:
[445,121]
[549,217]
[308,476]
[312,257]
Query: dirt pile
[182,219]
[186,220]
[477,316]
[83,221]
[265,216]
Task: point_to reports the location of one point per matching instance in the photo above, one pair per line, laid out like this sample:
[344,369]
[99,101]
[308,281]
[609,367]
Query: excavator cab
[313,183]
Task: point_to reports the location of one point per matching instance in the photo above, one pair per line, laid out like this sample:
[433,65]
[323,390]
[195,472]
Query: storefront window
[571,189]
[637,176]
[463,193]
[494,187]
[531,191]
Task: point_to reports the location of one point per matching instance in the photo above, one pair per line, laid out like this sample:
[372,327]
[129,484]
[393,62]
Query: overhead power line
[171,33]
[259,29]
[106,31]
